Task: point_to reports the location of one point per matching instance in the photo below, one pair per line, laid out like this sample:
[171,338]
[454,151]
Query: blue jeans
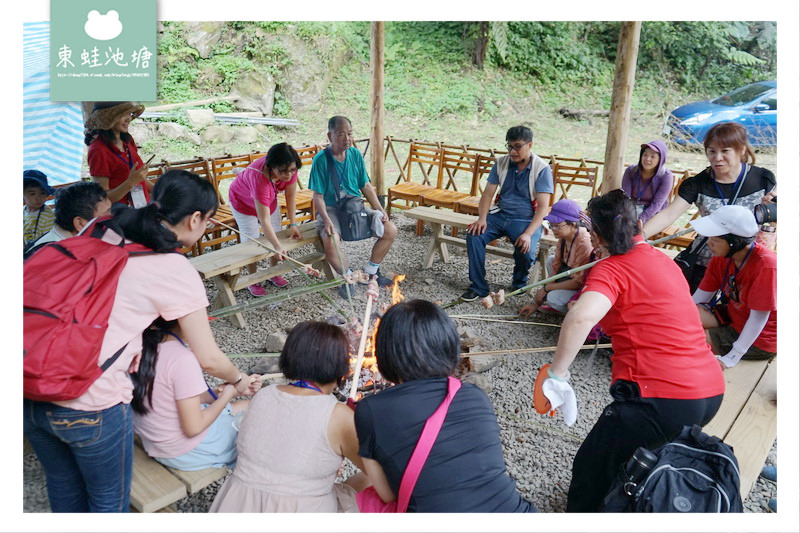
[87,456]
[499,225]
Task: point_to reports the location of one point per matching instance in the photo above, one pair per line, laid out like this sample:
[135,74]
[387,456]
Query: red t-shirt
[108,162]
[252,185]
[757,284]
[656,334]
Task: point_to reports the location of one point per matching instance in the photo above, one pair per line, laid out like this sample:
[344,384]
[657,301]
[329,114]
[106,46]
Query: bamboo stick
[583,267]
[341,267]
[361,347]
[531,350]
[274,298]
[268,248]
[484,319]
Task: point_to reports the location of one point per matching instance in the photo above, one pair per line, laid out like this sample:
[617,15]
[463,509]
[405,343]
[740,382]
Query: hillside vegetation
[463,82]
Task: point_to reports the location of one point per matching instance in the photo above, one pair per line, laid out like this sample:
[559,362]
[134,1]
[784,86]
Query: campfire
[369,379]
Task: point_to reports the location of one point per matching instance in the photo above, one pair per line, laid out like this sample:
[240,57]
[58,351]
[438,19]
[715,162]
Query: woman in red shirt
[663,374]
[113,159]
[743,323]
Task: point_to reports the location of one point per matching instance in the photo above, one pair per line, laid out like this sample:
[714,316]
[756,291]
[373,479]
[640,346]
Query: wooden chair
[565,177]
[469,205]
[304,206]
[427,156]
[682,241]
[447,194]
[213,237]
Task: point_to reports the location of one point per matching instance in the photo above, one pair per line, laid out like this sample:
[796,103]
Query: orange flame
[397,296]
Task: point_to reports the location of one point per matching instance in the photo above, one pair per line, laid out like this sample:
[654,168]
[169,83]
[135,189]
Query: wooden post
[620,115]
[376,108]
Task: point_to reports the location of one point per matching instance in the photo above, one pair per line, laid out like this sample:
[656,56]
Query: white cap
[727,219]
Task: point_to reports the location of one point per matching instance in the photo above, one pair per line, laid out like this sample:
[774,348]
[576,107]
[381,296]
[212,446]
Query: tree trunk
[481,44]
[619,117]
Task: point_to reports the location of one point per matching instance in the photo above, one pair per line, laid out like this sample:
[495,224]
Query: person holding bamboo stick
[254,202]
[574,248]
[294,437]
[663,374]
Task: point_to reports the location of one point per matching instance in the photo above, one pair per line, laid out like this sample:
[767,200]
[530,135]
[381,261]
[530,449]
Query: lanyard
[304,384]
[639,191]
[735,188]
[129,161]
[726,280]
[571,244]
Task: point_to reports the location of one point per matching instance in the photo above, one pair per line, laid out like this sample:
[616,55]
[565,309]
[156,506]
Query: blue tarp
[52,131]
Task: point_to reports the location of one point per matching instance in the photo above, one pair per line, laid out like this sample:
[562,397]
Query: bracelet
[555,377]
[234,383]
[293,224]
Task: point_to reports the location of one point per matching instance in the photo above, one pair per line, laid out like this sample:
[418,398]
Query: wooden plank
[232,258]
[755,429]
[152,486]
[198,479]
[277,270]
[739,384]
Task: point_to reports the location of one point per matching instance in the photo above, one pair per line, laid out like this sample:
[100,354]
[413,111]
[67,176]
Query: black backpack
[695,473]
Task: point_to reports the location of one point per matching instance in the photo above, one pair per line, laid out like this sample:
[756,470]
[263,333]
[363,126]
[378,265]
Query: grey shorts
[374,218]
[723,337]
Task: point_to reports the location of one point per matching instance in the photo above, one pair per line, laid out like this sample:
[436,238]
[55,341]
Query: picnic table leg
[436,245]
[225,297]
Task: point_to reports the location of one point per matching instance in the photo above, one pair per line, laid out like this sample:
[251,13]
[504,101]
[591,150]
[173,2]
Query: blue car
[754,106]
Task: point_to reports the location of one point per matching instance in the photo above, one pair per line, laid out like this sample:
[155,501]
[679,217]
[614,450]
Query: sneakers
[343,290]
[257,290]
[770,473]
[772,505]
[278,281]
[383,281]
[470,296]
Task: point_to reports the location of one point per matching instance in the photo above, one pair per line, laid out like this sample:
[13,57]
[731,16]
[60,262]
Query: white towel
[562,397]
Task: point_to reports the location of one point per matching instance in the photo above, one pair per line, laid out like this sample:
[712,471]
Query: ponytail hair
[143,379]
[177,194]
[614,219]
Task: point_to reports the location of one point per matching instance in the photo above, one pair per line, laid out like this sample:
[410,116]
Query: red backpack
[69,289]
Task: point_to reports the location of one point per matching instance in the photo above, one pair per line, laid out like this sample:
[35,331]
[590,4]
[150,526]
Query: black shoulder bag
[353,218]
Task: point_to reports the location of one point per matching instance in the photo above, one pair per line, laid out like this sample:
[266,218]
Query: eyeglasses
[557,227]
[516,147]
[285,170]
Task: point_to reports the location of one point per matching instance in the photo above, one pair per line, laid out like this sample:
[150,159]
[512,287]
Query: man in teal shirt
[354,181]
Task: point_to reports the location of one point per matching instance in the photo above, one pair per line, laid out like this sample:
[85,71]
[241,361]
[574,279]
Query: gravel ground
[538,449]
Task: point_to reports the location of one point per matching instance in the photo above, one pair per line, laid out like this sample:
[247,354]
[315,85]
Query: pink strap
[424,445]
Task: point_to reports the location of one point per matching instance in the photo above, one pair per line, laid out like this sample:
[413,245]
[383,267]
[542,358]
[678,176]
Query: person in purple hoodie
[649,182]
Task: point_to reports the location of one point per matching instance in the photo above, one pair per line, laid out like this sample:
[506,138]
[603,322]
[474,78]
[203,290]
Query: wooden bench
[155,487]
[439,241]
[747,418]
[224,265]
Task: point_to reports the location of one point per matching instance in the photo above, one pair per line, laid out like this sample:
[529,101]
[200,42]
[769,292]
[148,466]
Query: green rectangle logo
[102,50]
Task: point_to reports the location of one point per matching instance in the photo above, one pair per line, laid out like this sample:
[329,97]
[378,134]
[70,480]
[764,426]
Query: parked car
[754,106]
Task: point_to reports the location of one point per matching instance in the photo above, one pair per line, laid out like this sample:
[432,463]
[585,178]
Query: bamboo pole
[583,267]
[376,107]
[274,298]
[488,319]
[531,350]
[335,241]
[362,345]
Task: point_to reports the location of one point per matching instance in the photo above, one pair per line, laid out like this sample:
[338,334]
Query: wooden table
[438,218]
[224,266]
[747,418]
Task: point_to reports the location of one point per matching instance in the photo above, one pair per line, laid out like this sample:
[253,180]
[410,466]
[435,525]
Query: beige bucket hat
[105,114]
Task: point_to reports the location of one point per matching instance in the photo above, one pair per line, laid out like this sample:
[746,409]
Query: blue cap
[39,178]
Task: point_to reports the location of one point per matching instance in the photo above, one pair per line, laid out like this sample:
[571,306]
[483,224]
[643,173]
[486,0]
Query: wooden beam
[620,115]
[376,106]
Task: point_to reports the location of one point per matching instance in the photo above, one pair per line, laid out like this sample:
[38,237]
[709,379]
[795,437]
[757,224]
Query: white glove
[731,358]
[562,397]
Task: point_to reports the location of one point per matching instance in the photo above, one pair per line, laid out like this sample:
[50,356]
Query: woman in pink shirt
[254,201]
[182,422]
[85,444]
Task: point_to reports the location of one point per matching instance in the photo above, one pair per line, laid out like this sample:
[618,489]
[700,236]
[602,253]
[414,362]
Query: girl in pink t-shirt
[254,201]
[182,422]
